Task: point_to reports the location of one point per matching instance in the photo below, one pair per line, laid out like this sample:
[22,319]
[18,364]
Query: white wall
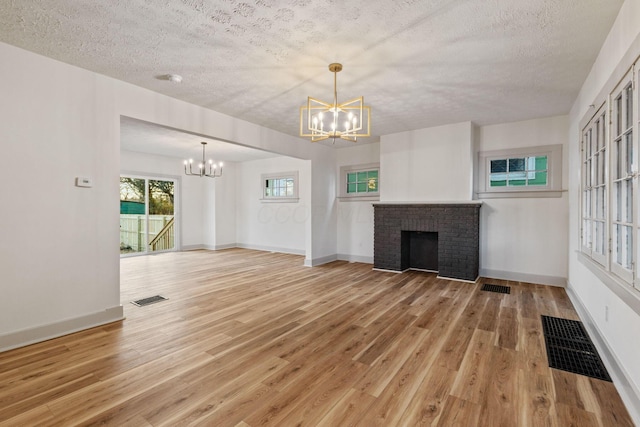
[426,165]
[355,218]
[525,238]
[617,337]
[60,243]
[59,255]
[225,207]
[189,200]
[273,226]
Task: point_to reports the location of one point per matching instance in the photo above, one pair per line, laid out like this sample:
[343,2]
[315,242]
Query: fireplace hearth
[442,237]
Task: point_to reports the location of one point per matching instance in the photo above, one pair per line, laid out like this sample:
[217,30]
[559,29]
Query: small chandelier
[214,170]
[349,120]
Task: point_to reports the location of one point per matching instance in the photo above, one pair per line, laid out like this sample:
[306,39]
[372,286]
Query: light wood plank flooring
[252,338]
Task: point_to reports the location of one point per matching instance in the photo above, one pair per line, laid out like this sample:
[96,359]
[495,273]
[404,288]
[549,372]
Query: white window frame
[342,182]
[594,178]
[628,177]
[619,278]
[554,173]
[293,175]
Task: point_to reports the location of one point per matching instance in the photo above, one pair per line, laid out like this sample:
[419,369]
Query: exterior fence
[133,233]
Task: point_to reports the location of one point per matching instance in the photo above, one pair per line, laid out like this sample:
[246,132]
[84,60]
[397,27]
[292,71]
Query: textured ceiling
[418,63]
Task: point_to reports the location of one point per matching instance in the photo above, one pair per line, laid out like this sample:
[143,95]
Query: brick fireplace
[453,228]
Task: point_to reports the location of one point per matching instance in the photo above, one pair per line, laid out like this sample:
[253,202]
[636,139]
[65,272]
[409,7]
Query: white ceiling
[418,63]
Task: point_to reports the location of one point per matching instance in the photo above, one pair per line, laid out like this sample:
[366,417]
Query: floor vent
[147,301]
[570,349]
[496,288]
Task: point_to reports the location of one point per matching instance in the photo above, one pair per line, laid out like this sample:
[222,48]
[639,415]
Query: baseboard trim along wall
[523,277]
[227,246]
[270,249]
[628,392]
[356,258]
[54,330]
[319,261]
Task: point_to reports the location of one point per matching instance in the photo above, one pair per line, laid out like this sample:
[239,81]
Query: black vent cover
[150,300]
[496,288]
[570,349]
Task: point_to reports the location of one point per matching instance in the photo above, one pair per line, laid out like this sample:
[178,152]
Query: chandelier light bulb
[190,160]
[185,163]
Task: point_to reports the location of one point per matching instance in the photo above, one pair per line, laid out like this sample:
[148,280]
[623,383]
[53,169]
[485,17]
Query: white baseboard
[193,247]
[628,391]
[54,330]
[356,258]
[270,249]
[524,277]
[227,246]
[319,261]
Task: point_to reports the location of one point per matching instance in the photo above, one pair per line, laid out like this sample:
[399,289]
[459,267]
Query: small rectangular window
[535,170]
[519,171]
[360,181]
[280,186]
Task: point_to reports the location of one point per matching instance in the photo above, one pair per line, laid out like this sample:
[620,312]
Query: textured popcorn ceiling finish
[417,63]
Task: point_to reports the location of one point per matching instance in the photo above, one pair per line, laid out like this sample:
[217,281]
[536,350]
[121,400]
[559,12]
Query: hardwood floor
[251,338]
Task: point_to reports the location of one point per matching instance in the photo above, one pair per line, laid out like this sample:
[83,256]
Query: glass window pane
[132,215]
[516,165]
[362,176]
[362,187]
[629,106]
[498,180]
[629,153]
[539,178]
[498,166]
[517,182]
[629,200]
[541,163]
[618,116]
[351,177]
[373,174]
[372,185]
[351,187]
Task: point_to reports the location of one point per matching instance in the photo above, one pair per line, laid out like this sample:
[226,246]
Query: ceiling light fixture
[213,172]
[349,120]
[174,78]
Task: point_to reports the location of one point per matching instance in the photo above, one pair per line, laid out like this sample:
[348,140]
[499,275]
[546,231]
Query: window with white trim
[594,188]
[623,175]
[609,221]
[521,172]
[281,187]
[360,181]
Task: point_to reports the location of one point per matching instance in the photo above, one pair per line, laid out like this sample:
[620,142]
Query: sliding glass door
[147,215]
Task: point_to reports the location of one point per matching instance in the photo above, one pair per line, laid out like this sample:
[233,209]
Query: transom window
[519,171]
[360,181]
[280,186]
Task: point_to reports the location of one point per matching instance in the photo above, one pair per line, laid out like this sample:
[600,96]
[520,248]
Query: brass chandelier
[349,120]
[208,169]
